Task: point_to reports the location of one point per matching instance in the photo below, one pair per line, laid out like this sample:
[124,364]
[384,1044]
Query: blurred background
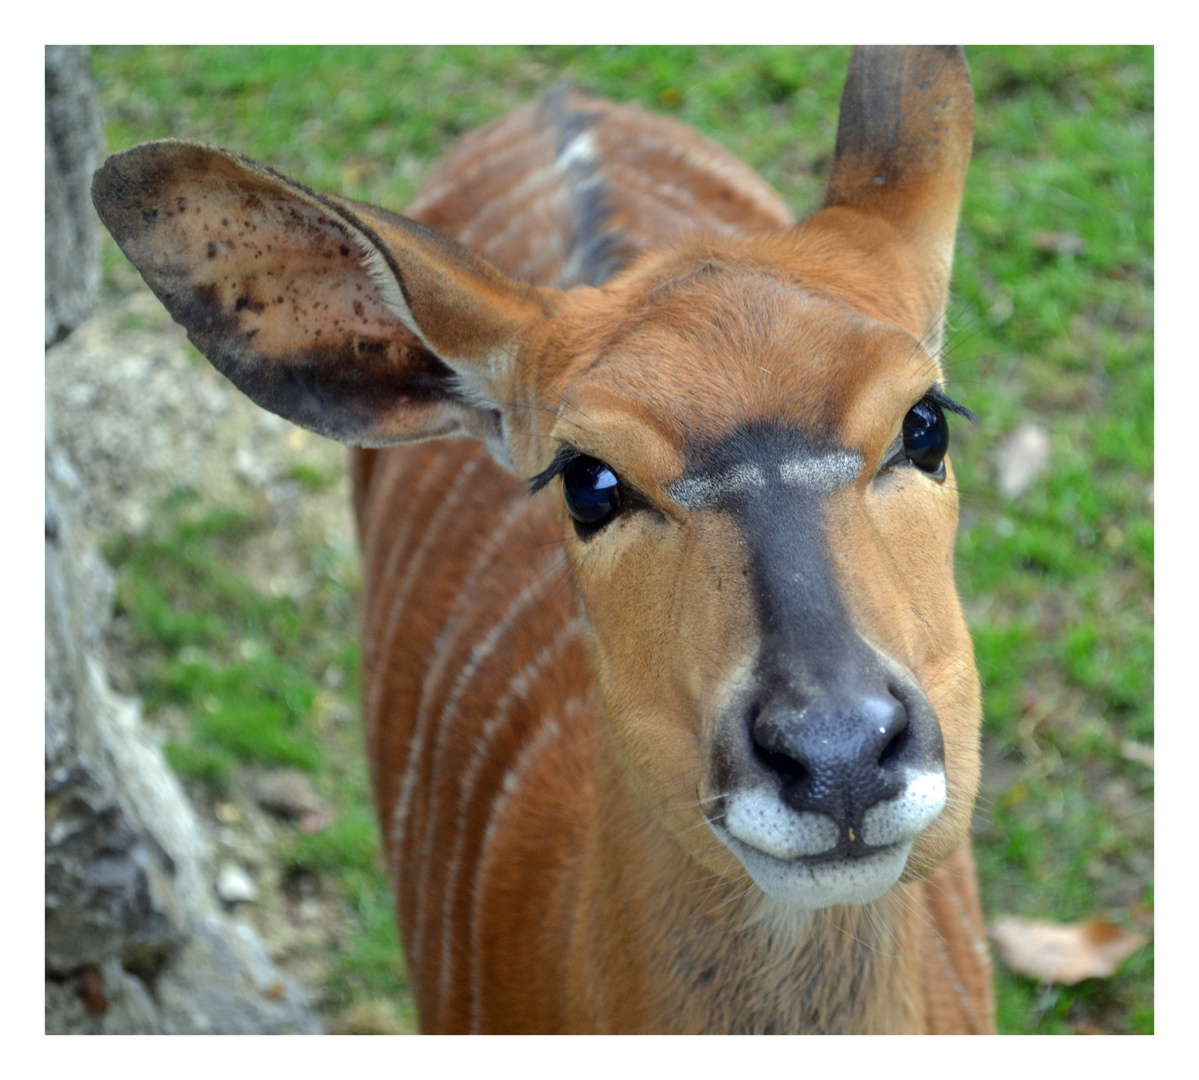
[236,576]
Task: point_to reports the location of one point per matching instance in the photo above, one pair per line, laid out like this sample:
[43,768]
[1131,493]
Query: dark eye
[592,492]
[926,436]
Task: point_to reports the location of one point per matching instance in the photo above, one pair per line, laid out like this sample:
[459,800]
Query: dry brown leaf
[1063,953]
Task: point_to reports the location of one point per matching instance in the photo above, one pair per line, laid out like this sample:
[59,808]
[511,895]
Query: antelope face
[760,517]
[748,443]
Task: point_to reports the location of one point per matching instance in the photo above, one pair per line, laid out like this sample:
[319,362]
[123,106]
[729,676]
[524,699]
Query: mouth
[802,859]
[821,882]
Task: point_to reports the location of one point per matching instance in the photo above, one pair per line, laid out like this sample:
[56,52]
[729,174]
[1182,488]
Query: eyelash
[564,456]
[936,394]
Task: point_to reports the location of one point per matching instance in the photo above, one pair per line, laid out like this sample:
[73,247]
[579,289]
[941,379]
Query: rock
[124,857]
[132,416]
[227,813]
[74,149]
[120,1004]
[134,943]
[286,792]
[234,885]
[225,983]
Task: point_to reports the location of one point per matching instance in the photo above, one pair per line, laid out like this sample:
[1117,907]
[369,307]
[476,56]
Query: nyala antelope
[671,709]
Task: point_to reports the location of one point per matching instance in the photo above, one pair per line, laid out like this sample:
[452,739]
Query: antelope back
[717,677]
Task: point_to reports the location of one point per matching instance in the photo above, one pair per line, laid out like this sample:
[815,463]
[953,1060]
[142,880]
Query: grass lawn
[1051,328]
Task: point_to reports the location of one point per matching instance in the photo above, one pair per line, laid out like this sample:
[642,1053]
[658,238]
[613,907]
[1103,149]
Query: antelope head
[746,440]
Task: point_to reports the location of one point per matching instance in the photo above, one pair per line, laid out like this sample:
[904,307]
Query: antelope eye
[592,492]
[926,436]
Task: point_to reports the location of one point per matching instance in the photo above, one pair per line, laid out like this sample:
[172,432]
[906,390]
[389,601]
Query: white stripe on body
[481,650]
[508,788]
[444,645]
[518,688]
[382,641]
[449,502]
[442,650]
[373,696]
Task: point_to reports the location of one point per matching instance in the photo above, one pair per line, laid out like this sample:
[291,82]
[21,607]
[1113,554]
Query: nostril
[787,769]
[783,765]
[894,728]
[897,742]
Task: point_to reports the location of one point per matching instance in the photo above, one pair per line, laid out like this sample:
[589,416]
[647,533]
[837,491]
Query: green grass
[1057,584]
[1062,580]
[370,967]
[181,591]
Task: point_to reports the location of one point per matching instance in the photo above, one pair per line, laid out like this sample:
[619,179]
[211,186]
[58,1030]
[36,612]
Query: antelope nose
[838,754]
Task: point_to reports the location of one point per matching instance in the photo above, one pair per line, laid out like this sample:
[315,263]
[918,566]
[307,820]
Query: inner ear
[290,293]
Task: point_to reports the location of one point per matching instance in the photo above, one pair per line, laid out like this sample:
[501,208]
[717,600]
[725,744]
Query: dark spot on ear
[205,305]
[247,301]
[365,345]
[211,250]
[345,251]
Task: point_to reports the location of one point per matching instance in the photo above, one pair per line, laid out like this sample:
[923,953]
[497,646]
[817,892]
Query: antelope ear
[359,324]
[903,147]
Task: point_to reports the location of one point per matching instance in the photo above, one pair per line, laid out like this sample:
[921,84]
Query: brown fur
[545,713]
